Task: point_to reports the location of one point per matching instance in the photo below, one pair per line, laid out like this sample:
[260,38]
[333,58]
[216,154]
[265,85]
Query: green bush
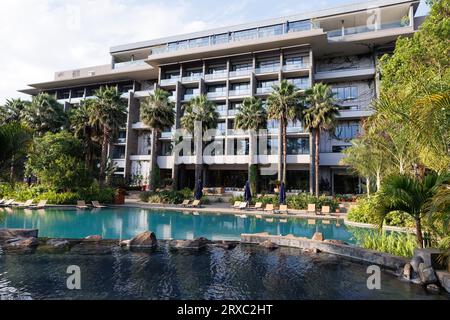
[145,196]
[163,197]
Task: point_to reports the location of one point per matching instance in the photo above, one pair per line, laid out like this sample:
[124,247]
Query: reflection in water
[247,272]
[124,223]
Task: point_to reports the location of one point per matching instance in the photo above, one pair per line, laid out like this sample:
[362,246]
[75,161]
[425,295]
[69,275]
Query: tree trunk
[368,186]
[104,156]
[154,159]
[317,161]
[311,162]
[280,151]
[11,172]
[378,180]
[419,233]
[284,152]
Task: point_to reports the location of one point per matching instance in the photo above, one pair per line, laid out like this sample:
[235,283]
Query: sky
[40,37]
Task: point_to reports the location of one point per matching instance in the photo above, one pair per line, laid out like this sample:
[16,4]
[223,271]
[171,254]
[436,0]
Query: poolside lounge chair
[195,204]
[2,200]
[243,205]
[41,205]
[283,209]
[326,210]
[312,208]
[236,205]
[97,205]
[81,205]
[258,206]
[8,203]
[185,203]
[269,207]
[26,204]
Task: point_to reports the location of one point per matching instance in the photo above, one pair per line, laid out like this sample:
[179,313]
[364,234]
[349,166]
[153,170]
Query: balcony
[216,95]
[129,64]
[222,75]
[171,81]
[293,130]
[295,67]
[346,74]
[239,92]
[240,73]
[266,90]
[270,69]
[331,159]
[232,112]
[193,78]
[188,97]
[342,33]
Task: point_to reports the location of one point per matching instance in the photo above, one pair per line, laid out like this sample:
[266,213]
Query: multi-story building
[338,46]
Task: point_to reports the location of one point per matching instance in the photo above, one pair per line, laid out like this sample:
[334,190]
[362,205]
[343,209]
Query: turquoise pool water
[124,223]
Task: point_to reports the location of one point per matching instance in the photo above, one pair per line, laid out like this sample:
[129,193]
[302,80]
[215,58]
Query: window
[339,149]
[269,64]
[119,152]
[300,83]
[242,66]
[217,69]
[166,149]
[267,84]
[346,93]
[240,86]
[241,147]
[297,146]
[293,60]
[347,131]
[173,74]
[220,88]
[65,95]
[272,146]
[78,93]
[221,108]
[221,127]
[193,72]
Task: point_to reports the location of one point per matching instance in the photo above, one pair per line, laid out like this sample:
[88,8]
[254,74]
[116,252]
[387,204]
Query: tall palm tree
[199,109]
[12,110]
[320,115]
[252,117]
[83,129]
[157,113]
[410,195]
[109,112]
[284,106]
[44,114]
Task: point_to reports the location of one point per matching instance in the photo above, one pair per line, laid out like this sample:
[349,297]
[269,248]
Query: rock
[433,288]
[407,271]
[269,245]
[415,263]
[57,243]
[125,243]
[429,257]
[94,238]
[340,242]
[426,274]
[197,244]
[225,245]
[21,243]
[312,250]
[18,233]
[144,240]
[444,279]
[90,247]
[318,236]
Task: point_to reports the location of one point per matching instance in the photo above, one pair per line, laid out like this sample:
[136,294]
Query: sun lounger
[185,203]
[8,203]
[236,205]
[195,204]
[269,207]
[258,206]
[243,205]
[26,204]
[97,205]
[283,209]
[1,201]
[81,205]
[41,205]
[312,208]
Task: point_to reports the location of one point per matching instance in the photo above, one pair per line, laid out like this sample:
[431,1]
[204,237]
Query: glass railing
[264,90]
[170,81]
[232,112]
[240,73]
[216,75]
[295,129]
[166,135]
[268,69]
[128,64]
[296,66]
[192,78]
[364,29]
[218,94]
[188,97]
[240,92]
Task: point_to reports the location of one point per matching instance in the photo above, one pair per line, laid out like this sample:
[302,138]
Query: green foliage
[157,111]
[155,177]
[251,115]
[399,244]
[56,160]
[166,197]
[21,192]
[44,114]
[12,110]
[199,109]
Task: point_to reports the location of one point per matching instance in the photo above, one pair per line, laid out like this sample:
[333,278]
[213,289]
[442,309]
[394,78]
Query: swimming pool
[124,223]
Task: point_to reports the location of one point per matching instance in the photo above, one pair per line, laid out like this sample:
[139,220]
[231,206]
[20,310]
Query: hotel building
[338,46]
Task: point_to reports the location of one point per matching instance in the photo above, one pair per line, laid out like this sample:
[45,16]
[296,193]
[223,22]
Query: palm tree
[320,115]
[410,195]
[44,114]
[252,117]
[284,106]
[108,112]
[157,113]
[12,110]
[199,109]
[83,129]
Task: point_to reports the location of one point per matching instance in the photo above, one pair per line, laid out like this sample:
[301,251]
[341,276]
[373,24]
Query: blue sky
[45,36]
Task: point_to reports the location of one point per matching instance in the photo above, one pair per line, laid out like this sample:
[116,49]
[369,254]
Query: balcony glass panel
[270,31]
[245,35]
[297,26]
[221,38]
[127,64]
[200,42]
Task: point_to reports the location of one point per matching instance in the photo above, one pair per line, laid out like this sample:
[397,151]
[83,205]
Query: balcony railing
[294,67]
[232,112]
[173,80]
[188,97]
[364,29]
[192,78]
[239,92]
[128,64]
[264,90]
[240,73]
[216,94]
[222,113]
[271,69]
[216,75]
[166,135]
[295,130]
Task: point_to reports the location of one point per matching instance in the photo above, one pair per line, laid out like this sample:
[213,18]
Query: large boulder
[415,262]
[430,257]
[144,240]
[18,233]
[197,244]
[407,271]
[57,243]
[444,279]
[21,243]
[269,245]
[426,274]
[339,242]
[225,245]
